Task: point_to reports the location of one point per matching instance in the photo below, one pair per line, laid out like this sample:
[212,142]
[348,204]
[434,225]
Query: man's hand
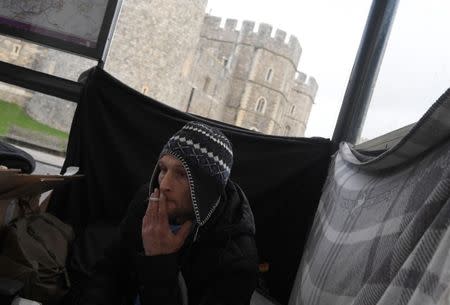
[156,234]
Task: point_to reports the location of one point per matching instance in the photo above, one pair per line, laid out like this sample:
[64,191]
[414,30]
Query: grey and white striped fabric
[381,233]
[432,129]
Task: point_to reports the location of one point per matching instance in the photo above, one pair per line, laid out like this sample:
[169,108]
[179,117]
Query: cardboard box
[16,187]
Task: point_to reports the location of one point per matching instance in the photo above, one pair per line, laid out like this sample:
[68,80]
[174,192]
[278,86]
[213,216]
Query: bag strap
[25,206]
[50,219]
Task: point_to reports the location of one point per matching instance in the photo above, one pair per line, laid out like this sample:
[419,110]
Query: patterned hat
[207,157]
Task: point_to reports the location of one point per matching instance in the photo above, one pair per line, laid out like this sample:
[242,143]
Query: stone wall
[14,94]
[263,65]
[20,53]
[16,52]
[152,46]
[209,81]
[248,35]
[50,110]
[302,95]
[151,51]
[171,51]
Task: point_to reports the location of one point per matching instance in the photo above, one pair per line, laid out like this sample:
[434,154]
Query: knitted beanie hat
[207,157]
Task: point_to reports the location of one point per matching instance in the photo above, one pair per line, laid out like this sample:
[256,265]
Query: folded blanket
[381,234]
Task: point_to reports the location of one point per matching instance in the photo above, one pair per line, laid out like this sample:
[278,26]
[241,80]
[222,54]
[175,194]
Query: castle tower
[301,97]
[171,51]
[153,47]
[271,64]
[262,68]
[209,77]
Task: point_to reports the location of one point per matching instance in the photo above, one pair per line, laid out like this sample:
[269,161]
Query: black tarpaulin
[116,137]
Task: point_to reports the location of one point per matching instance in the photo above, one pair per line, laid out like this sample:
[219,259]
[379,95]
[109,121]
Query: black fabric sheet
[116,137]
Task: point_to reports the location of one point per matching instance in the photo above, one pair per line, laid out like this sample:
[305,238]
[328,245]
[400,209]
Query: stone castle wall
[18,53]
[152,45]
[171,51]
[54,111]
[302,95]
[209,81]
[263,65]
[248,35]
[44,108]
[149,52]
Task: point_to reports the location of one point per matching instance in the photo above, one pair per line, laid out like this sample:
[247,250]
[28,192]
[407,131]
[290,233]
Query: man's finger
[163,217]
[183,233]
[153,207]
[147,211]
[146,218]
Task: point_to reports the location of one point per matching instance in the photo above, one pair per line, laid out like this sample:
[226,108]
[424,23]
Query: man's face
[174,190]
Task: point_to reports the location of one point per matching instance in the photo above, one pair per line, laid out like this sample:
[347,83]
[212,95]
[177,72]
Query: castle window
[206,85]
[16,49]
[287,130]
[144,90]
[225,61]
[269,75]
[292,109]
[261,105]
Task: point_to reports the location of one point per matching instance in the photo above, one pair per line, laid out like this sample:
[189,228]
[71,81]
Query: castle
[245,77]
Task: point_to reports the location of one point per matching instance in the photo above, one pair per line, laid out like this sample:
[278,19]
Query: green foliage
[12,114]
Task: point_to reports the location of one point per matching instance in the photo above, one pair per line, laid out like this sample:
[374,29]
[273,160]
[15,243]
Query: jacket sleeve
[233,282]
[234,285]
[105,285]
[158,279]
[110,278]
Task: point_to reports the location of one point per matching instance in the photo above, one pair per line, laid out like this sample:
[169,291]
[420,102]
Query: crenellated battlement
[305,84]
[212,21]
[261,36]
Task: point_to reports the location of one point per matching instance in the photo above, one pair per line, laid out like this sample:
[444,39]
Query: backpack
[34,250]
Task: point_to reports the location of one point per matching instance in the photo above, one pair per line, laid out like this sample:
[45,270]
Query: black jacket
[219,267]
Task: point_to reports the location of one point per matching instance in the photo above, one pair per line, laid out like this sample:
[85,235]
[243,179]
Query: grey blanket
[381,233]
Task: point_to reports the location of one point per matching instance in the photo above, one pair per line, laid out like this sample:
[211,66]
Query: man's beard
[180,217]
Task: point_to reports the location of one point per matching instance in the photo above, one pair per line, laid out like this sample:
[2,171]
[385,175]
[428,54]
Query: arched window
[261,105]
[144,90]
[287,130]
[292,109]
[269,74]
[206,84]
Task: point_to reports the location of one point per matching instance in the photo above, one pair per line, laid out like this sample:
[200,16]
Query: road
[45,163]
[46,169]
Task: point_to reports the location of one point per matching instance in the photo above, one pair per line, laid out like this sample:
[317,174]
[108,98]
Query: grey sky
[416,66]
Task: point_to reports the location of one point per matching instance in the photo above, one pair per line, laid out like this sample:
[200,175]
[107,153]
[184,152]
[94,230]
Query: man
[188,236]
